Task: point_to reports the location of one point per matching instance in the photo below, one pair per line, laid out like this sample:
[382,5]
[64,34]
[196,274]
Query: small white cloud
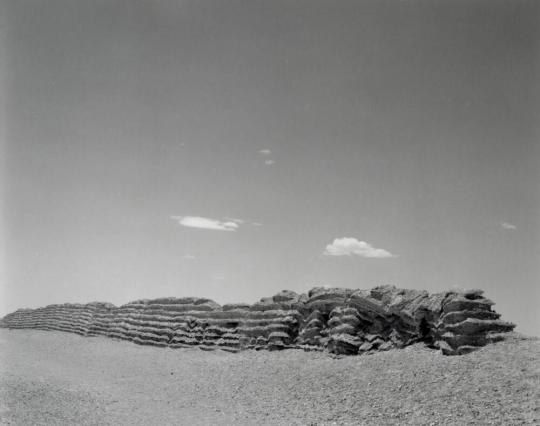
[189,257]
[265,152]
[235,220]
[206,223]
[508,226]
[256,224]
[348,246]
[269,162]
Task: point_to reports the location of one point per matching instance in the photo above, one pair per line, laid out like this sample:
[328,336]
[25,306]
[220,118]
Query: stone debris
[341,321]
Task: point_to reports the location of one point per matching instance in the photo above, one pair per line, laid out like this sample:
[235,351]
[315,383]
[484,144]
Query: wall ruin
[339,320]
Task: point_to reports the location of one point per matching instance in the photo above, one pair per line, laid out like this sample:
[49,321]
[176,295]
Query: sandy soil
[53,378]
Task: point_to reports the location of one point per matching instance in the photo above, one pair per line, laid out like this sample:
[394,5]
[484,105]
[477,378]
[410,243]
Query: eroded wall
[342,321]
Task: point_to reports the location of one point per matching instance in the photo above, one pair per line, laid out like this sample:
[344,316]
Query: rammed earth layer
[342,321]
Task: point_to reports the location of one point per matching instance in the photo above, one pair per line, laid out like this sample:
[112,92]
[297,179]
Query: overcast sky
[231,149]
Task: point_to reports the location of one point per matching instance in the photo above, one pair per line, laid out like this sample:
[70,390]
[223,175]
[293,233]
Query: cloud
[233,219]
[348,246]
[206,223]
[268,162]
[256,224]
[508,226]
[189,257]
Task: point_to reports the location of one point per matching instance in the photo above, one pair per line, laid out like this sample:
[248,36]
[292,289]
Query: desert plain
[57,378]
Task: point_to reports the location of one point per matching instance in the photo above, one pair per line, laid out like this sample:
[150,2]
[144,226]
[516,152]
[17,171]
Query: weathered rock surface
[342,321]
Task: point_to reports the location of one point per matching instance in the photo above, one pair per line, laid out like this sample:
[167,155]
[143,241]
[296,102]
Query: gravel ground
[55,378]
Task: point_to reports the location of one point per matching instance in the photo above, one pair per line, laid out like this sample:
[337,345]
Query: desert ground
[56,378]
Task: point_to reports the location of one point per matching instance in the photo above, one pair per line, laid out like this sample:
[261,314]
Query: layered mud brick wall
[342,321]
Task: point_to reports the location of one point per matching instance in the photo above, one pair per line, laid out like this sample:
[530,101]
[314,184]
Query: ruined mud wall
[342,321]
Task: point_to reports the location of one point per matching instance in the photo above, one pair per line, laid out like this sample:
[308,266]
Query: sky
[232,149]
